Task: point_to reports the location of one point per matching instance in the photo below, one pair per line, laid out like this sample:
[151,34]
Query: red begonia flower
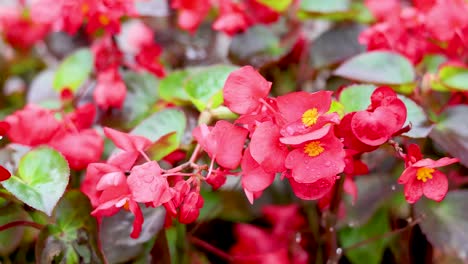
[446,17]
[350,141]
[223,143]
[284,218]
[32,126]
[79,148]
[243,90]
[304,106]
[191,13]
[83,116]
[383,10]
[217,178]
[94,173]
[4,174]
[317,159]
[110,90]
[148,59]
[107,55]
[148,185]
[421,177]
[232,18]
[254,176]
[20,30]
[266,149]
[260,13]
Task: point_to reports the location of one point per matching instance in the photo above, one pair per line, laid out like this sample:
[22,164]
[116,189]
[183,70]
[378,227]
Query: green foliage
[74,70]
[42,177]
[73,238]
[12,237]
[320,6]
[380,67]
[372,252]
[277,5]
[454,77]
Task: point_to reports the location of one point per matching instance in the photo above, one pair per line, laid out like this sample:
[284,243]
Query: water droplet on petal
[393,187]
[339,251]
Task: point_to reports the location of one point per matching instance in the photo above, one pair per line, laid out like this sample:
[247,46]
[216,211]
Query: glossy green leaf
[329,6]
[74,70]
[73,238]
[433,62]
[142,94]
[356,97]
[372,253]
[41,180]
[11,238]
[455,77]
[445,224]
[277,5]
[205,88]
[171,88]
[451,133]
[165,128]
[382,67]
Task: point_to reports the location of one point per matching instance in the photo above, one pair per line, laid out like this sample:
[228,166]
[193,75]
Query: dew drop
[393,187]
[327,164]
[331,229]
[298,237]
[339,251]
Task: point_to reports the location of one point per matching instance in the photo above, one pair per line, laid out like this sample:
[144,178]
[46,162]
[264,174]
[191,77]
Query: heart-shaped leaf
[74,70]
[42,178]
[382,67]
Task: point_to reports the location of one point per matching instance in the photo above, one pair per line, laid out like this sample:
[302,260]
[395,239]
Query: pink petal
[413,190]
[437,187]
[266,149]
[254,178]
[293,105]
[314,190]
[126,141]
[230,143]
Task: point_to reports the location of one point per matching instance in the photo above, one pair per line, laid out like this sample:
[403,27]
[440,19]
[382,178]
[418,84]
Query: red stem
[210,248]
[21,223]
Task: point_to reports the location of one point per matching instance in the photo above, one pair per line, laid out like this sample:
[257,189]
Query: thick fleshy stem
[21,223]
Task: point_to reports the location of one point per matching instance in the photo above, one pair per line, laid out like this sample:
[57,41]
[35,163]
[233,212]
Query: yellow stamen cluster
[104,20]
[313,148]
[423,174]
[310,117]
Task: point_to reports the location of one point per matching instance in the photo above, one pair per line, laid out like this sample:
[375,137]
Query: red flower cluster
[429,27]
[279,244]
[72,135]
[234,17]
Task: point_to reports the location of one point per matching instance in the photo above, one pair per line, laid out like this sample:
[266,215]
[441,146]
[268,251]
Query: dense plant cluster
[307,131]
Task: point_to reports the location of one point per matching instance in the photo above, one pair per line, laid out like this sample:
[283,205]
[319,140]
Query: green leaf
[418,119]
[451,133]
[455,77]
[320,6]
[205,88]
[142,94]
[432,62]
[372,252]
[171,88]
[11,238]
[356,97]
[165,128]
[257,45]
[74,70]
[43,176]
[335,45]
[277,5]
[380,67]
[73,238]
[445,223]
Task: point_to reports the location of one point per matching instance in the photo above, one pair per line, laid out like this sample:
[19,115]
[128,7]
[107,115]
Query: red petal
[243,89]
[4,174]
[314,190]
[254,178]
[293,105]
[126,141]
[147,185]
[299,139]
[266,148]
[138,221]
[230,143]
[429,163]
[413,190]
[374,128]
[437,187]
[408,175]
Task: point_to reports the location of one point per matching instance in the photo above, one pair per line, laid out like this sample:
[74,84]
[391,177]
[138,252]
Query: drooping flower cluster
[71,135]
[234,16]
[439,26]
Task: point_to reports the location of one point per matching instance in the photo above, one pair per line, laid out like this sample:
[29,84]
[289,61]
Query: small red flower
[254,177]
[4,174]
[191,13]
[110,90]
[232,18]
[421,176]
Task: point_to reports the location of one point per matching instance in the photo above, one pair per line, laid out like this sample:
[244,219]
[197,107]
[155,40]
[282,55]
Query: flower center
[126,206]
[84,9]
[104,20]
[310,117]
[313,148]
[424,173]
